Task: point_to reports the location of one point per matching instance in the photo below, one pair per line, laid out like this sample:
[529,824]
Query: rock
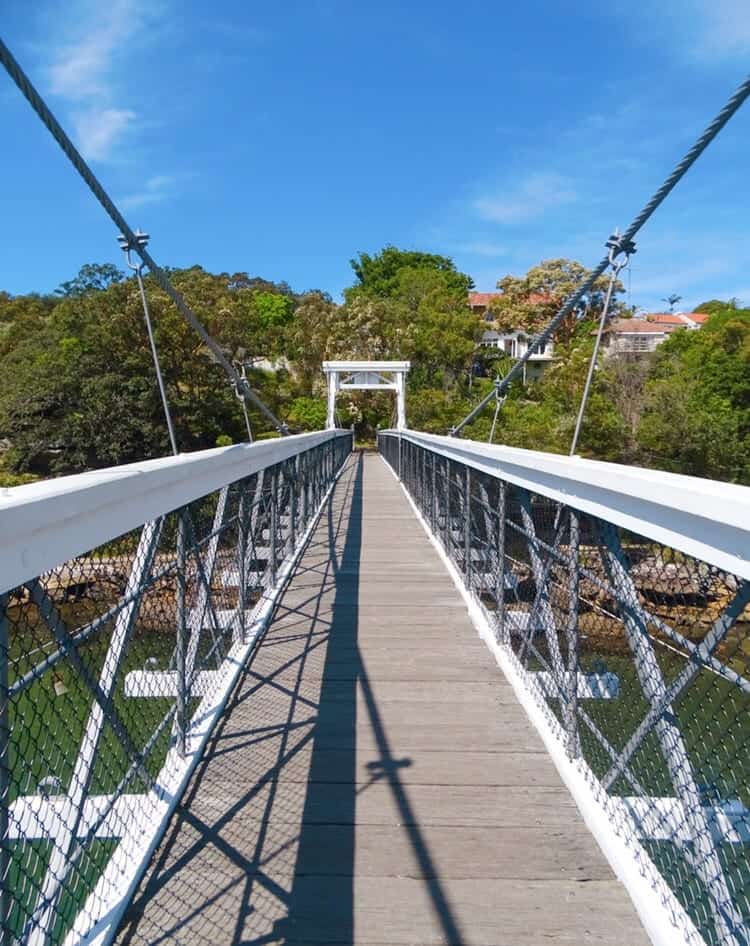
[656,578]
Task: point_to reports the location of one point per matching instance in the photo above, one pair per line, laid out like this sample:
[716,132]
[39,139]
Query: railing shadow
[214,878]
[262,848]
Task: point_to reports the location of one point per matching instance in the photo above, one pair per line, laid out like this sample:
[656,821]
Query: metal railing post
[182,633]
[243,529]
[501,631]
[273,526]
[400,450]
[467,525]
[447,510]
[573,742]
[294,487]
[433,498]
[304,486]
[6,898]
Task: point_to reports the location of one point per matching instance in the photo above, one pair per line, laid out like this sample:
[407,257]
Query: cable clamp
[617,246]
[128,246]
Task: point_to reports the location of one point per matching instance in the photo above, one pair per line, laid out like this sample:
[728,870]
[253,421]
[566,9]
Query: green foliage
[273,310]
[93,277]
[529,302]
[79,390]
[379,275]
[697,410]
[717,305]
[8,480]
[306,413]
[542,416]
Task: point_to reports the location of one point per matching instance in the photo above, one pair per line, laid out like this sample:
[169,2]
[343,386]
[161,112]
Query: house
[515,342]
[643,335]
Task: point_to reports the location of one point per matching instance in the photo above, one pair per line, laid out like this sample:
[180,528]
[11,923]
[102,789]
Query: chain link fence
[640,656]
[113,668]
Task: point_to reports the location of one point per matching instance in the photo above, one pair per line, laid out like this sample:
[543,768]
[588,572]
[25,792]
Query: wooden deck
[374,780]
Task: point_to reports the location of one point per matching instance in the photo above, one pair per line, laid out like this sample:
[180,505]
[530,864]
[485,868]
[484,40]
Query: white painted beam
[150,684]
[590,686]
[52,817]
[663,819]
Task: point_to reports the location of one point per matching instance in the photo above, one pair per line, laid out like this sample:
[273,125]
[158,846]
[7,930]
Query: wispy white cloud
[98,130]
[531,197]
[705,31]
[721,28]
[155,190]
[82,66]
[85,70]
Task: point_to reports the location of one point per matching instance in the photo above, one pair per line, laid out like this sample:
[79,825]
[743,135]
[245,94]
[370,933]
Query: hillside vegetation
[79,392]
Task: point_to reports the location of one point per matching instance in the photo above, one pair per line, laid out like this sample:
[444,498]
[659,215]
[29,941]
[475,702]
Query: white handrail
[703,518]
[43,524]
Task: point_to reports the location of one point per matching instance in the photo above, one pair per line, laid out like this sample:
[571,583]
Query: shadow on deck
[373,779]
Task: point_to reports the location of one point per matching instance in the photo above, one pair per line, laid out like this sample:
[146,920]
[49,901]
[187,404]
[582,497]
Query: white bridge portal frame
[366,376]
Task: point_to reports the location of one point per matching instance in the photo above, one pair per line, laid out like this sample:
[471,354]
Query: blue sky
[281,139]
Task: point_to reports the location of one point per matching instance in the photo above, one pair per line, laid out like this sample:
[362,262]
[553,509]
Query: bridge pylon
[366,376]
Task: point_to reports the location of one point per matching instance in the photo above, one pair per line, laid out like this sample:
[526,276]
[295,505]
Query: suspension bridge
[445,692]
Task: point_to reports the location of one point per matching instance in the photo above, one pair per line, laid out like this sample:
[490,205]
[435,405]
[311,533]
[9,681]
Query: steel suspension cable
[680,170]
[30,93]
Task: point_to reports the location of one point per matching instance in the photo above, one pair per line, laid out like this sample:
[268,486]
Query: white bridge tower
[366,376]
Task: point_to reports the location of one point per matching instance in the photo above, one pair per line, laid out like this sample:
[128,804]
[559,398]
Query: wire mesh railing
[114,665]
[637,651]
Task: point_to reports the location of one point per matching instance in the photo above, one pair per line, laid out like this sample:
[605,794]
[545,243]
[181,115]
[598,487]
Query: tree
[378,275]
[530,302]
[412,305]
[696,417]
[308,338]
[672,301]
[80,390]
[307,413]
[93,277]
[623,381]
[713,306]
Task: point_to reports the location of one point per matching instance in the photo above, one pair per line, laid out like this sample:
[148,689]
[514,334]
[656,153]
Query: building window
[637,343]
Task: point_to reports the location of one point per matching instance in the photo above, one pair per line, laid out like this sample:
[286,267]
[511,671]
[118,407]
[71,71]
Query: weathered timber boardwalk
[374,780]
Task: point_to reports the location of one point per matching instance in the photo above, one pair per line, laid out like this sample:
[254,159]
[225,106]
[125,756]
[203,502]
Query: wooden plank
[377,804]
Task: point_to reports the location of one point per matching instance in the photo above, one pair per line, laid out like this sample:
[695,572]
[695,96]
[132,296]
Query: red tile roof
[676,318]
[483,298]
[637,327]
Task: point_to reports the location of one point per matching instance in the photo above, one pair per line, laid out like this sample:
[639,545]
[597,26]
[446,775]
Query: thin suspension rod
[26,87]
[711,131]
[616,267]
[155,356]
